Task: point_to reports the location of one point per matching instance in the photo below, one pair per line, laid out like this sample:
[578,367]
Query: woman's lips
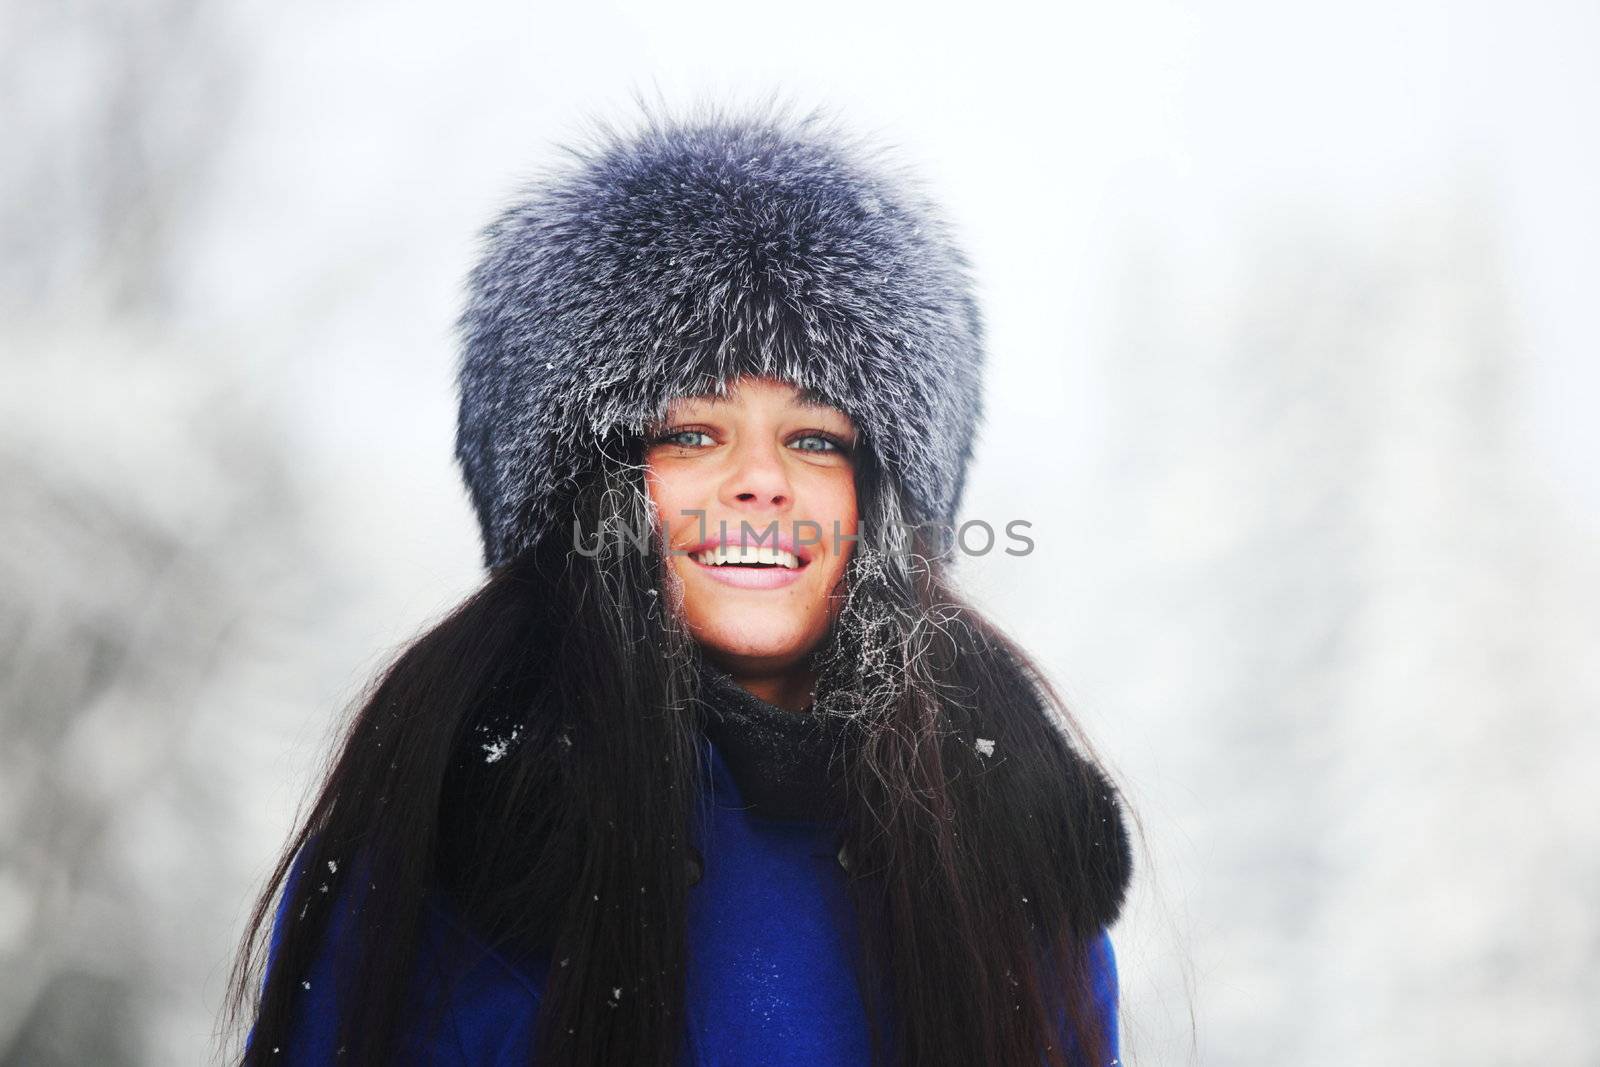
[747,577]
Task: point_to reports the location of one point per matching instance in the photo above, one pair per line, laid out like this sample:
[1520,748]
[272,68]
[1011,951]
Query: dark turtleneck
[778,758]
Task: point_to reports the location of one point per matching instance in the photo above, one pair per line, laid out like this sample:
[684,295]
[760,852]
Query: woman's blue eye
[672,438]
[832,445]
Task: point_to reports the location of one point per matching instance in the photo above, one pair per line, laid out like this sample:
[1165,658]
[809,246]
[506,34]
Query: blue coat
[759,991]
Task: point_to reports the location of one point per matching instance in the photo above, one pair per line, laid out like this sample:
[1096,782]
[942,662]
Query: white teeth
[747,554]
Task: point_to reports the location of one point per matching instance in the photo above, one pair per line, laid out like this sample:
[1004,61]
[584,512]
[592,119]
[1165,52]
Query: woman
[716,767]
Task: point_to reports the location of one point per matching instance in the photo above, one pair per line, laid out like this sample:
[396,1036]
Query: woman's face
[762,468]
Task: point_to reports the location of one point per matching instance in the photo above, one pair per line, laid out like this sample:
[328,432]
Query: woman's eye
[828,444]
[676,438]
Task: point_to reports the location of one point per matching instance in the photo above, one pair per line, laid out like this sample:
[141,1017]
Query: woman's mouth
[752,567]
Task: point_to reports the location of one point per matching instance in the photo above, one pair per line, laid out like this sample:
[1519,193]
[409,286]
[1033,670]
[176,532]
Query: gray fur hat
[668,261]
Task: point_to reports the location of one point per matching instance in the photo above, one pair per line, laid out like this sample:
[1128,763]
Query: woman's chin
[754,638]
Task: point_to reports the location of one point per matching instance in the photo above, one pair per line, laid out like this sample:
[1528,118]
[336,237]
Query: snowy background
[1293,345]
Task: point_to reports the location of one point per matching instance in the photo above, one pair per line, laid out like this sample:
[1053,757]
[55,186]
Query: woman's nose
[759,477]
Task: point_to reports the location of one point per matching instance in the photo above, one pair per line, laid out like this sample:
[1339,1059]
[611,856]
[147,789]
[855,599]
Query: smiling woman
[767,790]
[757,495]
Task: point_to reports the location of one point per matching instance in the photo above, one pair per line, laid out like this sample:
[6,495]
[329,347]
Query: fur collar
[782,764]
[779,759]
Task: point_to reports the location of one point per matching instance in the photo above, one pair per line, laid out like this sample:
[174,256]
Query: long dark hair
[981,874]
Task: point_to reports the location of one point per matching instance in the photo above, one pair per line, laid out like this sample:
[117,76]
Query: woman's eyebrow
[818,405]
[805,403]
[807,400]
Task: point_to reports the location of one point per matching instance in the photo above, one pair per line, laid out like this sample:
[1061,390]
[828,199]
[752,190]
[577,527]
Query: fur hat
[669,260]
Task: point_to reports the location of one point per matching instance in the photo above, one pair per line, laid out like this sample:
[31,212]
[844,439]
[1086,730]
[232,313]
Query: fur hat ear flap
[668,261]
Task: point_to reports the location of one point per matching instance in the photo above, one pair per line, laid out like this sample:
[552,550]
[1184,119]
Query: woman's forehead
[794,396]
